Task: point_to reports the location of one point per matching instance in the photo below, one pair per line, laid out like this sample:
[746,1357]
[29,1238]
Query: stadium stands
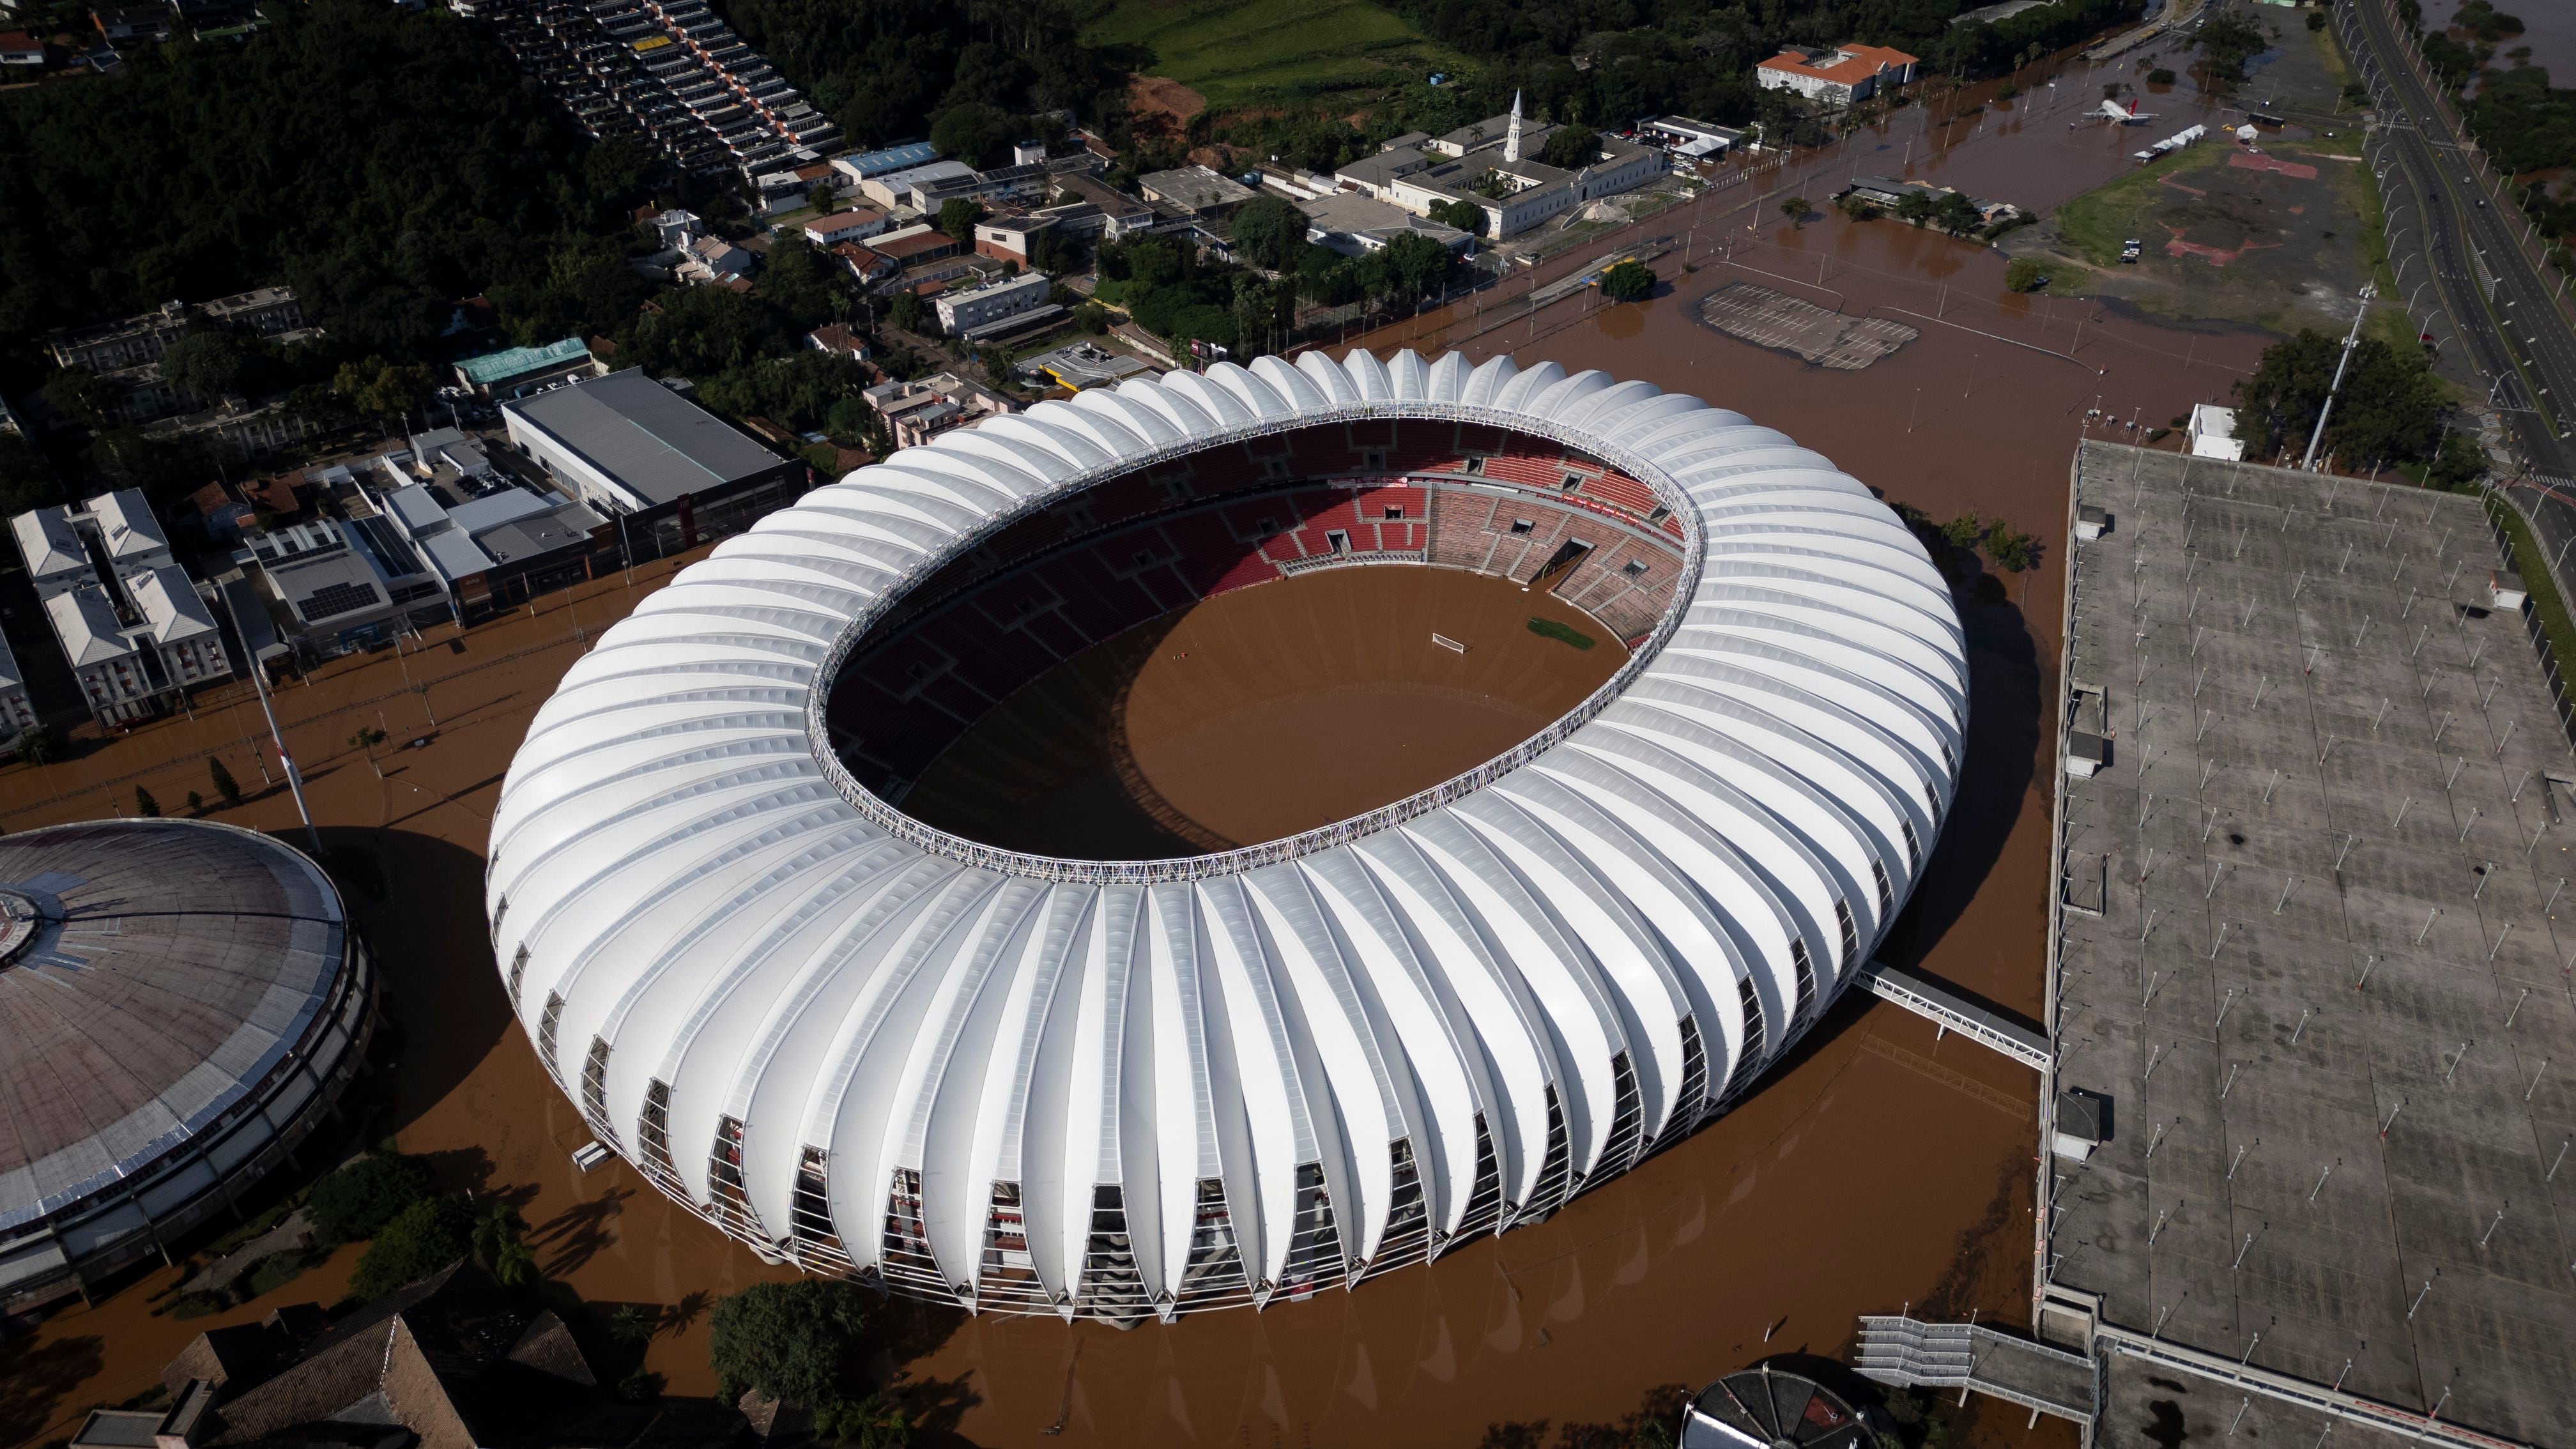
[1061,580]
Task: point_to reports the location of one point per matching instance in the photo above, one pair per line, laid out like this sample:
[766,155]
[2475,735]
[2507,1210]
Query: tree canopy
[1629,281]
[420,1240]
[2390,409]
[355,1201]
[972,77]
[1571,147]
[794,1342]
[382,161]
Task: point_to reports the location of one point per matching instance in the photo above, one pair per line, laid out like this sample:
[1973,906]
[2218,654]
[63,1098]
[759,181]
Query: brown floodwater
[1878,1169]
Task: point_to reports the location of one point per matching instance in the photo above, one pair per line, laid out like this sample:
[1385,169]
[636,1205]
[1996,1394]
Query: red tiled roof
[1860,62]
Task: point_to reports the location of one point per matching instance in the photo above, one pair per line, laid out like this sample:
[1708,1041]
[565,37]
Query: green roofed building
[519,371]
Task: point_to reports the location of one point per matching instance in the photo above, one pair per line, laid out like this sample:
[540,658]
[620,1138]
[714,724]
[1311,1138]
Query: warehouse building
[666,471]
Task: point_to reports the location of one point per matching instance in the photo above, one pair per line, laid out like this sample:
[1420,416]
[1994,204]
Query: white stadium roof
[835,1030]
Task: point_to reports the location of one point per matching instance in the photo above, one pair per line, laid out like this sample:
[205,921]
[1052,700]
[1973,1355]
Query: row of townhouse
[668,73]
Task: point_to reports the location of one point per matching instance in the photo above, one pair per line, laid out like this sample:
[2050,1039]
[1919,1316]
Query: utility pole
[259,681]
[2351,340]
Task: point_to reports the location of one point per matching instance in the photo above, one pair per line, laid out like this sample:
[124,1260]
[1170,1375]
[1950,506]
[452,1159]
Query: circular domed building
[180,1003]
[923,891]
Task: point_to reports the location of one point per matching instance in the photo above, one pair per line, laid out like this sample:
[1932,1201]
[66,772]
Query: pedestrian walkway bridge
[1909,1353]
[1947,1010]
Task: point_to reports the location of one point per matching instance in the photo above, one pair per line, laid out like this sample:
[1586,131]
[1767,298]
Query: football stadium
[1229,835]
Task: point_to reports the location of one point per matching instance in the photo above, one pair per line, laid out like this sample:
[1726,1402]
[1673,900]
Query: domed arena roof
[1120,1088]
[160,982]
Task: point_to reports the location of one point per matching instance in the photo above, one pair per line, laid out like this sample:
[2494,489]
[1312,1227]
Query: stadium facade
[181,1003]
[1126,1088]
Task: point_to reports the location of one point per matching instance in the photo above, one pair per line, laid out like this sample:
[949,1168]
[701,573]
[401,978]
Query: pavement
[2318,963]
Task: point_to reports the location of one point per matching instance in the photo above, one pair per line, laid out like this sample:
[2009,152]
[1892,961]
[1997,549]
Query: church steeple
[1512,138]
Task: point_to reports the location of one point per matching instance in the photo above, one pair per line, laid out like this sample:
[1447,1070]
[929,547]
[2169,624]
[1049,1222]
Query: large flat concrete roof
[647,437]
[2315,932]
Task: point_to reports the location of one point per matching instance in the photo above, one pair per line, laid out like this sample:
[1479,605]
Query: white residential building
[129,622]
[963,312]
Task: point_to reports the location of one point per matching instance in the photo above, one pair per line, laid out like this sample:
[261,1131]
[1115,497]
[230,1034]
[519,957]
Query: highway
[2501,309]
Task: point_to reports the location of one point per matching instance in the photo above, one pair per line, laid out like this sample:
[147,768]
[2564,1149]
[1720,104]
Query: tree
[420,1240]
[1794,208]
[223,781]
[1957,213]
[2230,39]
[26,479]
[1466,216]
[2390,408]
[1269,232]
[875,1422]
[910,313]
[196,803]
[1915,207]
[356,1200]
[380,389]
[958,215]
[39,746]
[1629,281]
[1416,265]
[1571,148]
[208,365]
[367,738]
[975,133]
[144,804]
[2012,550]
[790,1341]
[500,1242]
[76,393]
[2024,274]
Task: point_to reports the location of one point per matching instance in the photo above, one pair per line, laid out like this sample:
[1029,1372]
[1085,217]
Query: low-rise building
[712,259]
[103,348]
[1355,225]
[1493,166]
[866,264]
[137,24]
[322,595]
[1120,214]
[2212,433]
[922,409]
[1838,76]
[19,49]
[965,313]
[1195,189]
[845,226]
[836,340]
[666,471]
[868,165]
[894,188]
[1686,137]
[128,621]
[1078,365]
[489,551]
[518,371]
[1891,191]
[17,709]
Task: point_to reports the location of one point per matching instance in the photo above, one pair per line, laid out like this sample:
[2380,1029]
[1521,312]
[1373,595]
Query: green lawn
[2097,222]
[1270,52]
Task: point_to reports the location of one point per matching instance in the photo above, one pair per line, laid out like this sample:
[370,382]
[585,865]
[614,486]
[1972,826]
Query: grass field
[1241,53]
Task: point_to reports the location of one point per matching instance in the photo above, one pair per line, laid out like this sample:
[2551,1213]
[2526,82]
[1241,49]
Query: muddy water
[2549,28]
[1879,1169]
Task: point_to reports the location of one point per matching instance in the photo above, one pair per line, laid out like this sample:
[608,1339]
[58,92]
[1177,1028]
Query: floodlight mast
[2351,340]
